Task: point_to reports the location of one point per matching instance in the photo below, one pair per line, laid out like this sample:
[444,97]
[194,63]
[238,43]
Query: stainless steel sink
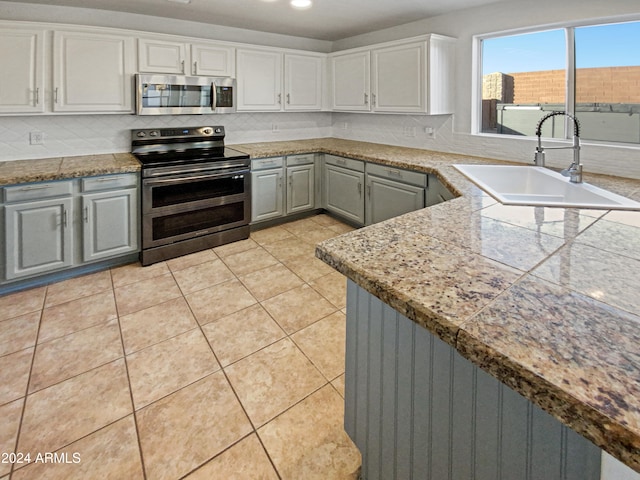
[528,185]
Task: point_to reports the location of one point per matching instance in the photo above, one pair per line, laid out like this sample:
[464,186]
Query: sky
[600,46]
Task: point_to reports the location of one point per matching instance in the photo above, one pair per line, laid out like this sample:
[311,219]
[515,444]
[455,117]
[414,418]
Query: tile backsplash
[69,135]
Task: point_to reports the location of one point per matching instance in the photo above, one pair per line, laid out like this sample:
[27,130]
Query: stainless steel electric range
[196,193]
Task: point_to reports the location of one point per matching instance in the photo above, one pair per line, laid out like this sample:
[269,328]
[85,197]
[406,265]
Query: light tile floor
[223,364]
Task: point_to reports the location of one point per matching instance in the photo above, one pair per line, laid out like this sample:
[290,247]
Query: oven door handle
[159,181]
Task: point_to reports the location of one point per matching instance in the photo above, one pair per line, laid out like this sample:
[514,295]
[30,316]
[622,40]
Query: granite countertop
[545,299]
[47,169]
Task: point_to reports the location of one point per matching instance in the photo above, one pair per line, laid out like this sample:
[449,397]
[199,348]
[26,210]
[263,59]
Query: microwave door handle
[214,96]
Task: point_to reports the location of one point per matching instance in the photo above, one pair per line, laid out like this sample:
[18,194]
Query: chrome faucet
[574,172]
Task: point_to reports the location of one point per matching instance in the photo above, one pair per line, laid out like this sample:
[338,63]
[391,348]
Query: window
[526,76]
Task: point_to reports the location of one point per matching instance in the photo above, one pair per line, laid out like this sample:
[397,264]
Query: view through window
[526,76]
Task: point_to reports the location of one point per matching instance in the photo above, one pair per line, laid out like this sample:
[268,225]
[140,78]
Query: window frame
[570,87]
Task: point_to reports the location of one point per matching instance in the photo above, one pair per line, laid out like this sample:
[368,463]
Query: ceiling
[325,20]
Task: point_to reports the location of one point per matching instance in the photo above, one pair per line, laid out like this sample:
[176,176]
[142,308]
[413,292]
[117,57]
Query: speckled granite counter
[47,169]
[545,299]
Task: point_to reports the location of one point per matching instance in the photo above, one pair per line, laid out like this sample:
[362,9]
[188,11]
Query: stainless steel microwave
[184,95]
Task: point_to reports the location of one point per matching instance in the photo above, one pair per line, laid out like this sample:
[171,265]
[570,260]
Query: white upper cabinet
[22,87]
[402,77]
[260,81]
[160,56]
[183,58]
[213,60]
[398,78]
[92,72]
[351,81]
[302,82]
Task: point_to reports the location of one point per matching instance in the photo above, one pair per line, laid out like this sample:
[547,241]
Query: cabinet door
[344,193]
[387,199]
[159,56]
[109,224]
[212,60]
[351,81]
[398,76]
[92,72]
[259,80]
[300,188]
[38,237]
[302,82]
[21,76]
[267,195]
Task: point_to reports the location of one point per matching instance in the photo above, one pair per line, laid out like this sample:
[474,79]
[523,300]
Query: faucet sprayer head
[576,123]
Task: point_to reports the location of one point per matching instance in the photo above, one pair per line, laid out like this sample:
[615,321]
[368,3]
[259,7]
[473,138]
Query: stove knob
[153,133]
[218,130]
[207,131]
[142,134]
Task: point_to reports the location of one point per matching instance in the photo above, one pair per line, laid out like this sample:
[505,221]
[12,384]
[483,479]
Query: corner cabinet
[368,79]
[22,73]
[260,75]
[92,72]
[344,188]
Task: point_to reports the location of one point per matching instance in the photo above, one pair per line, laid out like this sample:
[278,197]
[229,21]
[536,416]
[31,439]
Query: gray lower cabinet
[344,188]
[39,237]
[109,224]
[51,226]
[392,192]
[300,183]
[267,189]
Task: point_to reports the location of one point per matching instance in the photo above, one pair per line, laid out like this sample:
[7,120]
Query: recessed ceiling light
[301,4]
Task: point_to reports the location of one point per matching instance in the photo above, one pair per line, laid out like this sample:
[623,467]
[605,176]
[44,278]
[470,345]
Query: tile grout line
[126,366]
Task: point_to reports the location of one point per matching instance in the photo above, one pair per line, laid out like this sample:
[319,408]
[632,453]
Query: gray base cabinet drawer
[38,191]
[350,163]
[107,182]
[263,163]
[399,174]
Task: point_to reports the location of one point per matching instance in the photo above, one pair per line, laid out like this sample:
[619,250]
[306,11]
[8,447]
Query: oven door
[174,95]
[185,206]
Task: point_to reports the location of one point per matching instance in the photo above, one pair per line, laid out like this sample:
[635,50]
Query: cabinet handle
[279,99]
[182,66]
[290,180]
[366,99]
[373,99]
[341,161]
[64,218]
[359,188]
[38,96]
[34,187]
[368,190]
[86,214]
[108,179]
[288,98]
[394,173]
[195,67]
[55,95]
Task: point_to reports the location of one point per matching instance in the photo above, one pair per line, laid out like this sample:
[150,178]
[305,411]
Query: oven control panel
[208,131]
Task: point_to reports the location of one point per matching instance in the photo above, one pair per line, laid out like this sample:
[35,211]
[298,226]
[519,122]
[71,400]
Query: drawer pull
[108,179]
[341,161]
[394,173]
[34,187]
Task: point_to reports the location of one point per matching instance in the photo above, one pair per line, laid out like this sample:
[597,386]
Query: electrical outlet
[274,128]
[36,138]
[430,131]
[409,131]
[345,125]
